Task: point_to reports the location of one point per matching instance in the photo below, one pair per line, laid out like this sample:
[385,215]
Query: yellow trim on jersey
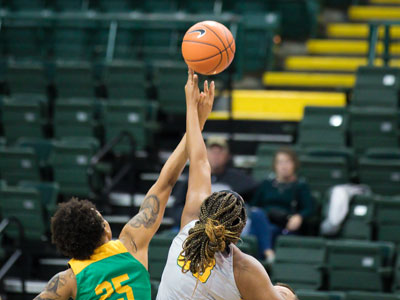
[104,251]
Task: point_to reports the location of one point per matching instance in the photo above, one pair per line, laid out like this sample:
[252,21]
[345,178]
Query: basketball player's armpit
[148,213]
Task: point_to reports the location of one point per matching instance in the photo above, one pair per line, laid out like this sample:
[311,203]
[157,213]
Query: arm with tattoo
[60,287]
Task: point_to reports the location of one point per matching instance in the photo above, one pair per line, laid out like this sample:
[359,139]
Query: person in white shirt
[203,262]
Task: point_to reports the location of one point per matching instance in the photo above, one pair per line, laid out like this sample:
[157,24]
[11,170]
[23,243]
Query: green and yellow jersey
[111,273]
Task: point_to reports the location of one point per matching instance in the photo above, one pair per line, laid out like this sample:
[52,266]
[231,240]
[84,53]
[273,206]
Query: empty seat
[128,41]
[358,223]
[71,5]
[315,295]
[299,255]
[396,281]
[117,5]
[134,117]
[380,169]
[75,117]
[359,265]
[26,77]
[323,126]
[24,116]
[42,148]
[126,80]
[25,205]
[70,159]
[169,80]
[74,79]
[387,219]
[370,127]
[17,164]
[376,86]
[155,6]
[26,5]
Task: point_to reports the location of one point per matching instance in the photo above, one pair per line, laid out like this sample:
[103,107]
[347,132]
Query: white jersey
[216,283]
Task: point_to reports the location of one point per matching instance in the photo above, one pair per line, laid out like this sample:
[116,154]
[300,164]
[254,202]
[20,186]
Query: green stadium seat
[370,127]
[380,169]
[299,255]
[396,281]
[387,219]
[3,142]
[198,7]
[17,164]
[26,5]
[161,42]
[157,6]
[42,148]
[128,41]
[170,79]
[3,183]
[74,79]
[376,86]
[70,5]
[371,296]
[316,295]
[49,195]
[323,126]
[117,5]
[15,31]
[75,117]
[74,39]
[70,160]
[138,118]
[26,77]
[24,116]
[324,172]
[126,80]
[25,205]
[246,7]
[359,265]
[358,223]
[158,254]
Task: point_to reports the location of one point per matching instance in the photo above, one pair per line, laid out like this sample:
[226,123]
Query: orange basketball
[208,47]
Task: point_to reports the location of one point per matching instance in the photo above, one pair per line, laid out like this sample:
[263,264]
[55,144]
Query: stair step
[331,63]
[317,80]
[346,47]
[353,30]
[368,13]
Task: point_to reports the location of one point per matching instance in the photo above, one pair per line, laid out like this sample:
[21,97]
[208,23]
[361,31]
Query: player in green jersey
[104,269]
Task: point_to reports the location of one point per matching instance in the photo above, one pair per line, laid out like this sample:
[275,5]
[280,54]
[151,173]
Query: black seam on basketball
[202,43]
[209,56]
[212,70]
[226,36]
[223,44]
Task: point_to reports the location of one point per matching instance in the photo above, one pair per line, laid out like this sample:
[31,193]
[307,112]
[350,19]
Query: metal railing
[374,34]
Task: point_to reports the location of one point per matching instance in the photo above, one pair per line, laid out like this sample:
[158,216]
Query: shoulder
[244,264]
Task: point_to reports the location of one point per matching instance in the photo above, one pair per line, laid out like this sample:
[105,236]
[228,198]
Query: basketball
[208,47]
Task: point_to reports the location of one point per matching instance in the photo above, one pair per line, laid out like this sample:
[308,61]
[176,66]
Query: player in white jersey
[203,261]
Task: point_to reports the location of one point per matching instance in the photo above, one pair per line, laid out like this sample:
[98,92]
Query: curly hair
[221,221]
[77,228]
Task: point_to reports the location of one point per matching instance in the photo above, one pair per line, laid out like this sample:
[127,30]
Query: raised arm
[137,233]
[199,185]
[61,287]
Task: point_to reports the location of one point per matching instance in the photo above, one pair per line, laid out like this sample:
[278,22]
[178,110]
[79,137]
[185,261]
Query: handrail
[374,27]
[17,253]
[102,153]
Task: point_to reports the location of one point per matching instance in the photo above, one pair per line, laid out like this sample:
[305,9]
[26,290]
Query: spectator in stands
[223,176]
[284,201]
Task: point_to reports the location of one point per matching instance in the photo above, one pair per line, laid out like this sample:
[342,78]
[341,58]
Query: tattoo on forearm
[148,213]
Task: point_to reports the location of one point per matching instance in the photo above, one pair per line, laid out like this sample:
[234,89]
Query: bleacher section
[81,77]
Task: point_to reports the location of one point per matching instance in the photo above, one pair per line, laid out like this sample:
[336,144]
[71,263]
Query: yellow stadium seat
[364,13]
[353,30]
[349,47]
[394,2]
[327,63]
[324,80]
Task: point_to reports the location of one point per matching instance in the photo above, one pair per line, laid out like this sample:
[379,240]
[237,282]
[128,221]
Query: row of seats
[299,18]
[314,295]
[324,167]
[336,265]
[89,38]
[29,117]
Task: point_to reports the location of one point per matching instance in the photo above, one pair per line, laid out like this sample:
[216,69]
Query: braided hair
[221,221]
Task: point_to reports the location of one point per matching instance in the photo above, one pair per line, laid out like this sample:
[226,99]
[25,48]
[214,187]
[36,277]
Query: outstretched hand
[192,91]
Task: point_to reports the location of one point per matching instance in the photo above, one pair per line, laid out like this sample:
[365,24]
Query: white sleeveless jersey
[216,283]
